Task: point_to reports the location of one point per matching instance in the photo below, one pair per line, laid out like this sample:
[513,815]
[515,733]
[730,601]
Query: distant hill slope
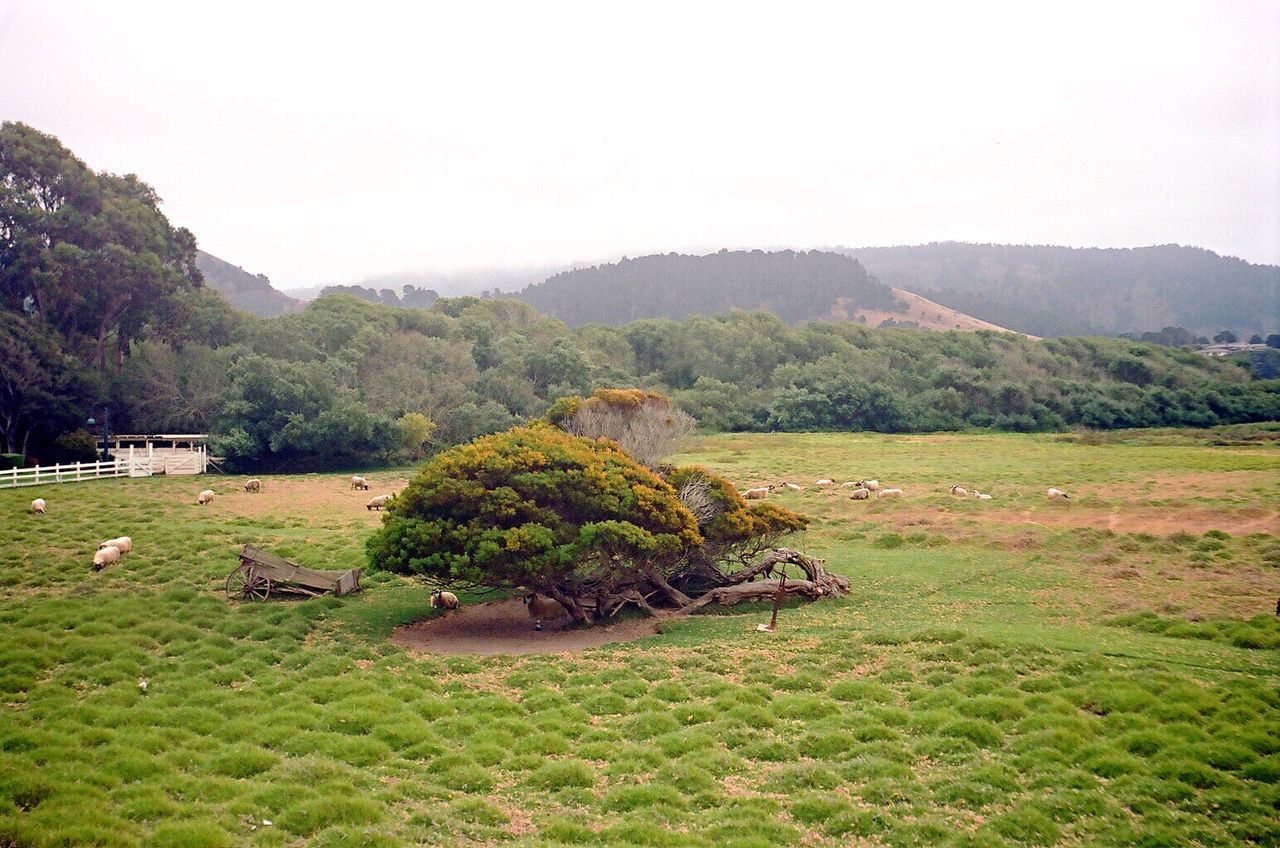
[1055,291]
[920,312]
[792,285]
[250,292]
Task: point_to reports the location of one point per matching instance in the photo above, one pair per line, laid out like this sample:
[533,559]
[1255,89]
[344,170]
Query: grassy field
[1100,671]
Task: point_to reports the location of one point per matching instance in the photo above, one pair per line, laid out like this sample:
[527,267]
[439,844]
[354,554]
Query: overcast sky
[322,143]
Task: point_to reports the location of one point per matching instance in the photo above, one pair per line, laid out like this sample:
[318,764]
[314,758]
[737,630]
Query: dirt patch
[292,497]
[503,627]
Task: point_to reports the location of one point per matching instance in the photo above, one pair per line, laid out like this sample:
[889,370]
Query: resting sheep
[37,505]
[889,493]
[358,482]
[850,485]
[105,556]
[441,599]
[793,487]
[123,544]
[758,493]
[860,494]
[378,502]
[543,609]
[254,485]
[982,496]
[825,482]
[873,485]
[960,491]
[1055,493]
[204,497]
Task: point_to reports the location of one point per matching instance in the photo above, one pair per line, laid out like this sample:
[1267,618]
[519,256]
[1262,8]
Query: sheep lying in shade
[254,485]
[758,493]
[1055,493]
[123,544]
[378,502]
[441,599]
[109,555]
[204,497]
[889,493]
[37,505]
[358,482]
[543,609]
[860,495]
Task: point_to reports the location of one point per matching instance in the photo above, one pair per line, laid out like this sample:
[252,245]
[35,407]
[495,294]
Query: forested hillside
[792,285]
[1056,291]
[251,292]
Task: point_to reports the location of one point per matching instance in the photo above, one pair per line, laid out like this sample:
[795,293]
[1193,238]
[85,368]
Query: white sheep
[441,599]
[378,502]
[889,493]
[758,493]
[123,544]
[850,485]
[358,482]
[860,494]
[109,555]
[872,485]
[793,487]
[204,497]
[1055,493]
[37,505]
[543,609]
[254,485]
[825,482]
[960,491]
[983,496]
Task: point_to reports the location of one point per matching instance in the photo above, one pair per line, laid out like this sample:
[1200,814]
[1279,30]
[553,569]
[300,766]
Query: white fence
[126,463]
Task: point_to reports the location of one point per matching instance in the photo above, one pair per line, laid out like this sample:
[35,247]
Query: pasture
[1103,670]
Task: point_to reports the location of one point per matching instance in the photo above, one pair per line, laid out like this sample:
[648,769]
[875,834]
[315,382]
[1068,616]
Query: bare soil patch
[504,627]
[283,497]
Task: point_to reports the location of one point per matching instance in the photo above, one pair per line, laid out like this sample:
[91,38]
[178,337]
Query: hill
[251,292]
[921,313]
[794,285]
[1055,291]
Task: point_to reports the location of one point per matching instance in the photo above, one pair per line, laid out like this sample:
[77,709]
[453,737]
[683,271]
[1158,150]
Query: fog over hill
[250,292]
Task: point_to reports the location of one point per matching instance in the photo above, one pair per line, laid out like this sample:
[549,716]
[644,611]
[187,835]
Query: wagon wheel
[247,583]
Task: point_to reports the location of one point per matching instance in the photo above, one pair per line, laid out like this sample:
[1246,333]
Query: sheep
[358,482]
[850,485]
[871,485]
[109,555]
[758,493]
[441,599]
[123,544]
[378,502]
[793,487]
[983,496]
[204,497]
[860,494]
[254,485]
[825,482]
[543,609]
[889,493]
[960,491]
[37,506]
[1055,493]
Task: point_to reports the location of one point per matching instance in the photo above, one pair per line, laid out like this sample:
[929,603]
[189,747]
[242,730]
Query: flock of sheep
[864,489]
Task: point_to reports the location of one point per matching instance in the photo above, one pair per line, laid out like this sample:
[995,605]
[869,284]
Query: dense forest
[101,303]
[1057,291]
[792,285]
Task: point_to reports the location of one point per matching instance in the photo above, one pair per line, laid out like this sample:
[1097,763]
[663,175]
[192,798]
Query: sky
[329,142]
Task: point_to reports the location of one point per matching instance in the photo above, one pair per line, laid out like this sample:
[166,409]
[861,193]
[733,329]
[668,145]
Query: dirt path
[503,627]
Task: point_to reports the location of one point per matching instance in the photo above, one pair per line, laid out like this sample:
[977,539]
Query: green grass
[998,676]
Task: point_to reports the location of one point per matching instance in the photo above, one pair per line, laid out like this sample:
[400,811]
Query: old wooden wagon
[261,572]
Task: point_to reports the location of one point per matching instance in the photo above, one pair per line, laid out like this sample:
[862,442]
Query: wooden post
[778,596]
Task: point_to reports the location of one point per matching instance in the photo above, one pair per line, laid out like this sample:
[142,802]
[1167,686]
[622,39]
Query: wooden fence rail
[122,465]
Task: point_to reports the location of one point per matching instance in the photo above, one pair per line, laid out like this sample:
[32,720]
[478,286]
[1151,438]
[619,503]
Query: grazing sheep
[758,493]
[444,600]
[358,482]
[793,487]
[378,502]
[204,497]
[105,556]
[254,485]
[1055,493]
[873,485]
[825,482]
[960,491]
[123,544]
[889,493]
[37,505]
[860,494]
[543,609]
